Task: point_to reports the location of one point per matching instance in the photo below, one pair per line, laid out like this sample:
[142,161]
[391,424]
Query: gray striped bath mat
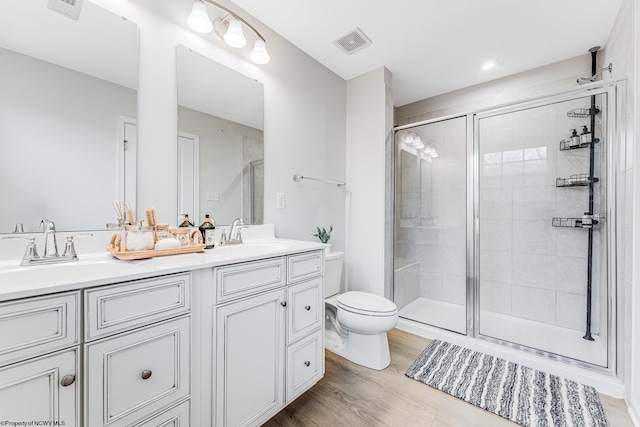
[520,394]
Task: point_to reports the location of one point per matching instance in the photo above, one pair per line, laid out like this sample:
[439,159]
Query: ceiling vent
[353,41]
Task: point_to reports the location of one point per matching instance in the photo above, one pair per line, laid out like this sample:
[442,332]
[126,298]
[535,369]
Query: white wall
[367,104]
[304,123]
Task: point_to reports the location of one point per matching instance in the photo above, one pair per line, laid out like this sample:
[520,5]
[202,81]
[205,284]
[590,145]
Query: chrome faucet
[50,256]
[50,244]
[234,232]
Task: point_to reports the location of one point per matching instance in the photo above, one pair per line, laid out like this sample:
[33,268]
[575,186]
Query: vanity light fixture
[230,28]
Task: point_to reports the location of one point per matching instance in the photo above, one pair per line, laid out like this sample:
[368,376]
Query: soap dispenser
[575,138]
[208,230]
[585,136]
[186,222]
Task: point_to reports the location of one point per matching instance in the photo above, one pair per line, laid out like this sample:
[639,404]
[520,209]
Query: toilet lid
[365,301]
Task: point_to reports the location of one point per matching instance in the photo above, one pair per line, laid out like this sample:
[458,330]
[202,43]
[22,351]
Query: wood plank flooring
[350,395]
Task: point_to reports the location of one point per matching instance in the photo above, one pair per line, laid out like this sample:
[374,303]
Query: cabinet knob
[307,363]
[146,374]
[283,303]
[67,380]
[307,307]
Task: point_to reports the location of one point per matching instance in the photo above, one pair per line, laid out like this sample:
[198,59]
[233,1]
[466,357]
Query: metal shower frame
[614,139]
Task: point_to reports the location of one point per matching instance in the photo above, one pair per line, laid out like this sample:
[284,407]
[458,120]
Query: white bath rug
[520,394]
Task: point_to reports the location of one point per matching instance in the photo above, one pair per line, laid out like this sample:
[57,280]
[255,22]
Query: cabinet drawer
[133,375]
[306,308]
[249,278]
[121,307]
[304,266]
[38,325]
[45,389]
[178,416]
[305,364]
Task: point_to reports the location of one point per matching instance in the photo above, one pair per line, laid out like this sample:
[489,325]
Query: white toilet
[356,323]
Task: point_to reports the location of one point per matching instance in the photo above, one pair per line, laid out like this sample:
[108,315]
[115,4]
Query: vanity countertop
[102,268]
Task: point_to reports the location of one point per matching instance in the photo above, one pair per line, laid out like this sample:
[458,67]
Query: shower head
[585,80]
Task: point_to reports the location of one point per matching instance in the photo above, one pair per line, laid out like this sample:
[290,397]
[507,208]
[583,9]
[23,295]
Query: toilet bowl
[356,322]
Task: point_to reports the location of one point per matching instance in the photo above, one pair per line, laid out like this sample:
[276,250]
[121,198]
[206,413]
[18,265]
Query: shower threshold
[536,337]
[543,337]
[440,314]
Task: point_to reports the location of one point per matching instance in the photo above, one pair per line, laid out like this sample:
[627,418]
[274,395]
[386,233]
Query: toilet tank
[332,273]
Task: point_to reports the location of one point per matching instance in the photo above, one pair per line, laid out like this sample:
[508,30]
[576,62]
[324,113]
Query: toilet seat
[366,304]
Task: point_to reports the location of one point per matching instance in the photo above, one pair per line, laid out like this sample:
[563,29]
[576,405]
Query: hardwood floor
[351,395]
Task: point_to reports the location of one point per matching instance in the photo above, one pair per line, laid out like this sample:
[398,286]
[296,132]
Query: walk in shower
[504,224]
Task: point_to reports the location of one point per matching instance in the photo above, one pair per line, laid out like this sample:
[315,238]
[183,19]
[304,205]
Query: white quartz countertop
[102,268]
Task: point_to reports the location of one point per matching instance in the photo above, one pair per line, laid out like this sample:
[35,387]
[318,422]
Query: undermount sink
[83,268]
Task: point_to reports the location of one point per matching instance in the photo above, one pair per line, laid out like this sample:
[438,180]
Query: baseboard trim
[632,409]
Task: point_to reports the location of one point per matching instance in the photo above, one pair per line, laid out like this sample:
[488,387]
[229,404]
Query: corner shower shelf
[566,145]
[581,113]
[577,180]
[586,221]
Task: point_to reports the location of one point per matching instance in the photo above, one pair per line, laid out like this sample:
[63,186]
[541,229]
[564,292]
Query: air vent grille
[353,41]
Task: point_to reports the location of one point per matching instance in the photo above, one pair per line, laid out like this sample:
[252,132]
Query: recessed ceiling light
[487,65]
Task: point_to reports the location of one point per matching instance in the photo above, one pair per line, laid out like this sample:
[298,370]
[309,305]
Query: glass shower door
[542,260]
[430,224]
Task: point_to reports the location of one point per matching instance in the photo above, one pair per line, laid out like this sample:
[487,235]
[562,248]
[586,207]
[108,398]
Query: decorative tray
[133,255]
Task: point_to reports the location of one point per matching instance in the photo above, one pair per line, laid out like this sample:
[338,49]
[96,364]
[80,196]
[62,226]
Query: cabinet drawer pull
[307,363]
[283,303]
[146,374]
[67,380]
[307,307]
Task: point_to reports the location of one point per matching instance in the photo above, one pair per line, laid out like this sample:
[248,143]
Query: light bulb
[234,36]
[259,54]
[199,20]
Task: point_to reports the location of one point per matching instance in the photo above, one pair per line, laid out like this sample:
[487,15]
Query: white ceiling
[436,46]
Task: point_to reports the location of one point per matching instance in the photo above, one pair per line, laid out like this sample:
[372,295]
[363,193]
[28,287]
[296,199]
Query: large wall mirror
[67,104]
[220,141]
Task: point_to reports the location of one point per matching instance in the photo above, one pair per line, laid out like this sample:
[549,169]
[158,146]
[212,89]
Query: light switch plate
[213,196]
[69,8]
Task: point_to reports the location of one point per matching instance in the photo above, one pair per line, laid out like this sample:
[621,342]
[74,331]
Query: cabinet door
[122,307]
[177,416]
[306,308]
[304,266]
[250,359]
[305,364]
[36,326]
[42,390]
[133,375]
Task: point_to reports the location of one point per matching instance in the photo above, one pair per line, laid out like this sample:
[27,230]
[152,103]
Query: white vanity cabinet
[137,350]
[268,337]
[39,360]
[305,331]
[218,338]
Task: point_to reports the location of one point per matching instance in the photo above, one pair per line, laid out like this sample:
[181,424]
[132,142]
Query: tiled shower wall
[431,216]
[528,268]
